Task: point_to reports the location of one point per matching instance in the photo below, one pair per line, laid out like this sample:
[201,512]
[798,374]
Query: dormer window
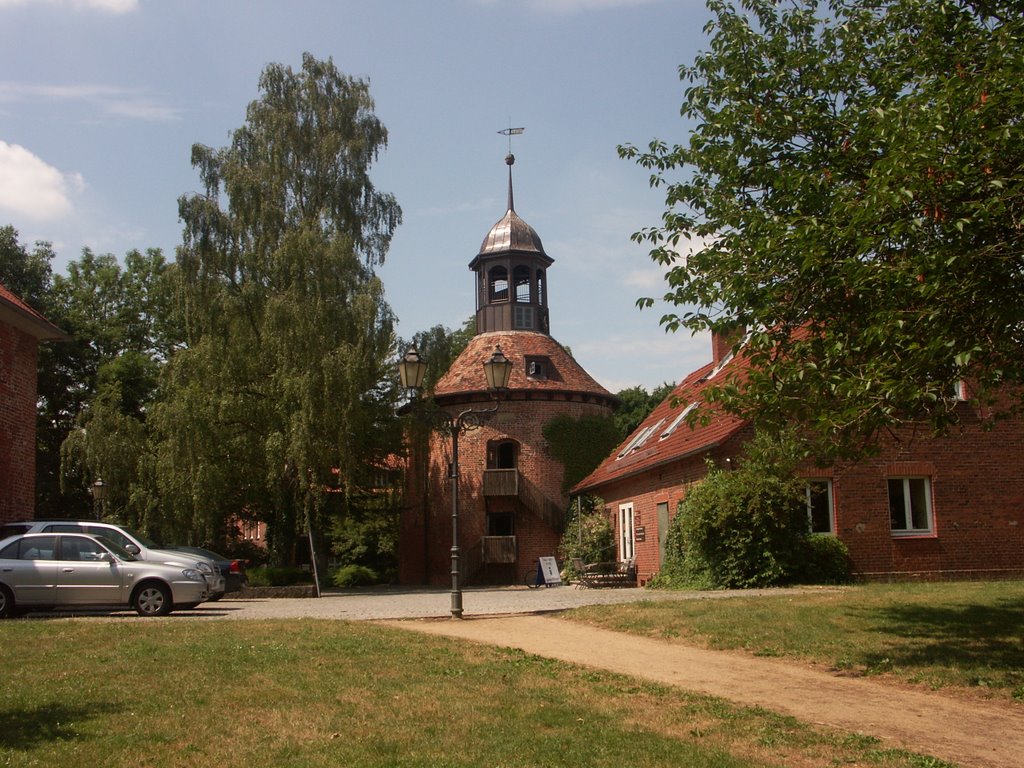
[498,280]
[537,368]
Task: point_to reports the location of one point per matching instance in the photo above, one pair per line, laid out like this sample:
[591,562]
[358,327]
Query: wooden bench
[599,575]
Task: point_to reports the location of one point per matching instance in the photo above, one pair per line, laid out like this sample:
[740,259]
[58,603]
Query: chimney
[722,342]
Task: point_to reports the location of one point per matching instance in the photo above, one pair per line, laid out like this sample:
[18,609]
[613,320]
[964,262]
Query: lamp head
[498,371]
[412,370]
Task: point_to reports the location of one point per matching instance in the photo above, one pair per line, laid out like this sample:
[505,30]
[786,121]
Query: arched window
[499,283]
[521,278]
[503,454]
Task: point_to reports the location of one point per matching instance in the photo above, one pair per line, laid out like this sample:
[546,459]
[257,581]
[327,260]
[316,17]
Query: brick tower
[511,500]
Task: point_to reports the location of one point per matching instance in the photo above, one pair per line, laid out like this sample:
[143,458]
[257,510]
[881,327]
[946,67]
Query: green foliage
[366,533]
[825,559]
[285,388]
[635,404]
[588,535]
[278,576]
[354,576]
[850,191]
[94,389]
[580,444]
[745,527]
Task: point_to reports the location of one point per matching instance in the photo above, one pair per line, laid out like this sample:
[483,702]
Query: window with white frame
[819,506]
[910,505]
[679,419]
[627,540]
[639,439]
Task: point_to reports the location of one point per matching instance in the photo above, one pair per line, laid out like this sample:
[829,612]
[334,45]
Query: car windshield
[119,552]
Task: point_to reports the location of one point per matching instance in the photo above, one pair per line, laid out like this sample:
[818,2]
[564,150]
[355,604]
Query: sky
[102,100]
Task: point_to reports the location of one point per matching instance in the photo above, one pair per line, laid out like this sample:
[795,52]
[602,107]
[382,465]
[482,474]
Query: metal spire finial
[510,158]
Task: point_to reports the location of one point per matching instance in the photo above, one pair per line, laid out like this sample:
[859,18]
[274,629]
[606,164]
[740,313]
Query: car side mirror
[132,549]
[105,557]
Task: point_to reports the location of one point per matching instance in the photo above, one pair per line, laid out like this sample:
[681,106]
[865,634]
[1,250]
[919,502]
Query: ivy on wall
[580,444]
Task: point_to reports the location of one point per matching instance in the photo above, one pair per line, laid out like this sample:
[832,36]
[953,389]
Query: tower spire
[510,159]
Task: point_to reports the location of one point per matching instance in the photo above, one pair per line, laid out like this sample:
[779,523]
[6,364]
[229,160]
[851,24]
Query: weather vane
[510,132]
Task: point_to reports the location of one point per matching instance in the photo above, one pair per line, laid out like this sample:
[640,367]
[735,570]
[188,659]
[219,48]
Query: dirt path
[971,734]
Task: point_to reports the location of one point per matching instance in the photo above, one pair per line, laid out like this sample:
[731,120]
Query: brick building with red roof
[923,507]
[511,496]
[21,331]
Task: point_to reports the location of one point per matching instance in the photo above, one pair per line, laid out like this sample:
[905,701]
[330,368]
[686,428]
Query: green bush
[354,576]
[278,576]
[743,528]
[825,560]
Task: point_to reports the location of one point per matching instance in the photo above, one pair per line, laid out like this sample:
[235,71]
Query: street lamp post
[99,495]
[497,370]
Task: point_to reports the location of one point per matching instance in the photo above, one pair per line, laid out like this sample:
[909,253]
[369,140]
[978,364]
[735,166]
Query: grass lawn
[966,637]
[179,692]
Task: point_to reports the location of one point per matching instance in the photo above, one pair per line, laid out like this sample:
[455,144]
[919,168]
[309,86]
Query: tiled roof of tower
[664,435]
[23,317]
[554,369]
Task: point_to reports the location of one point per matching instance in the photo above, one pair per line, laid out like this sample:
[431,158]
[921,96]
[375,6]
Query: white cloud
[106,6]
[31,187]
[112,99]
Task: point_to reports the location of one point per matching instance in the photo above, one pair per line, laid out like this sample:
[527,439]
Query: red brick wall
[667,484]
[18,361]
[426,539]
[977,485]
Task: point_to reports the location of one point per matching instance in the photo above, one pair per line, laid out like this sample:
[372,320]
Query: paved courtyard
[376,603]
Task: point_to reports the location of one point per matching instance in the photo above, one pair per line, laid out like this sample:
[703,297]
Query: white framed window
[639,439]
[910,505]
[679,419]
[627,536]
[820,507]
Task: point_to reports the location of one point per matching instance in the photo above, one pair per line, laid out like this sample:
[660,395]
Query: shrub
[743,528]
[825,560]
[354,576]
[278,576]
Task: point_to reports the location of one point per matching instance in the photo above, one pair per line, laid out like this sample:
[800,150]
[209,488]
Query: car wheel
[7,610]
[214,598]
[152,599]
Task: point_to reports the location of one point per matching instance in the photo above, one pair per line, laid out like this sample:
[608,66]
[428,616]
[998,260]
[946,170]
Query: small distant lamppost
[497,370]
[99,495]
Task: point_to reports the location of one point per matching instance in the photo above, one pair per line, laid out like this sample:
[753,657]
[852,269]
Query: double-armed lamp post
[497,370]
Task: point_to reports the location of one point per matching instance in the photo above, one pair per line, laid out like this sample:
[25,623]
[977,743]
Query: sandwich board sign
[548,574]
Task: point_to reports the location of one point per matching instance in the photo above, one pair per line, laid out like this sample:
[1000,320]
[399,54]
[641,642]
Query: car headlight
[204,567]
[193,575]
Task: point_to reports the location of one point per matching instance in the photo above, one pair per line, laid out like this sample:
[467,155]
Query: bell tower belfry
[511,275]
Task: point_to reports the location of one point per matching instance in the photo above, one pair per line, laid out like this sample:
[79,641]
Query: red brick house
[924,507]
[21,331]
[511,498]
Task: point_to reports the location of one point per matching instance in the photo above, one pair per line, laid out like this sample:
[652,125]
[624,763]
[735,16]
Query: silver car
[41,571]
[133,541]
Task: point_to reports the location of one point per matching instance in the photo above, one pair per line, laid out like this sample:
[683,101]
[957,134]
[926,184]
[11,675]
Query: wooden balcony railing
[501,482]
